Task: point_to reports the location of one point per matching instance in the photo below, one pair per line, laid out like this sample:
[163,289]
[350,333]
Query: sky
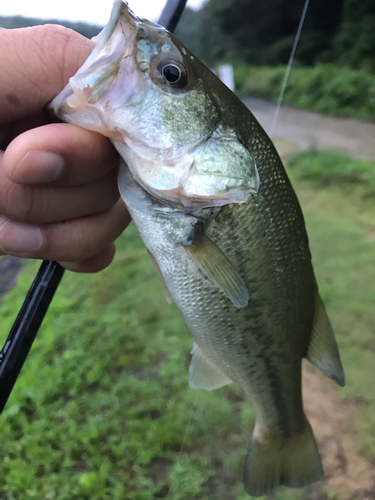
[92,11]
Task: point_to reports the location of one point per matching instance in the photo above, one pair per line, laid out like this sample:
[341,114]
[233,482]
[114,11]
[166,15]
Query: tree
[264,31]
[355,41]
[203,36]
[87,30]
[260,32]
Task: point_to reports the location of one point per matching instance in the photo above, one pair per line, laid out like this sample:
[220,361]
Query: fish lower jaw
[179,192]
[182,182]
[178,198]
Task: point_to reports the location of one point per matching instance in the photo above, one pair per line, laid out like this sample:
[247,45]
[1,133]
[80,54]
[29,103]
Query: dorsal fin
[323,351]
[217,267]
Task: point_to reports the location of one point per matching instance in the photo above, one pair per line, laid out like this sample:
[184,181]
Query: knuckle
[69,242]
[58,37]
[21,203]
[24,203]
[66,49]
[54,33]
[83,244]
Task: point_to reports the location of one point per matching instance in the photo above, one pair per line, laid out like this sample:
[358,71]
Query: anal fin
[204,374]
[217,267]
[323,351]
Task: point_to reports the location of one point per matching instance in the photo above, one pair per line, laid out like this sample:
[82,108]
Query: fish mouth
[115,45]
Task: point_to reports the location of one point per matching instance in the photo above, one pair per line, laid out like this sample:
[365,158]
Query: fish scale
[240,341]
[214,206]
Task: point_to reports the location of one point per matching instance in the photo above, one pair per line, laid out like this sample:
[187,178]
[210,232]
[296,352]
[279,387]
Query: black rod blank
[172,13]
[26,326]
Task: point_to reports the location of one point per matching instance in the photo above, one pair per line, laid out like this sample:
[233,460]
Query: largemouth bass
[213,204]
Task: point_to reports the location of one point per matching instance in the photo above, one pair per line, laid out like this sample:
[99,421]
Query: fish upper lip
[120,15]
[120,12]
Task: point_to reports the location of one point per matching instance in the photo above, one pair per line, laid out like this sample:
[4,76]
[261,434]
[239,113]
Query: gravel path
[306,129]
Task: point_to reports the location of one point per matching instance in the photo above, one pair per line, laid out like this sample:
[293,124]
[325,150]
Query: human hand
[58,183]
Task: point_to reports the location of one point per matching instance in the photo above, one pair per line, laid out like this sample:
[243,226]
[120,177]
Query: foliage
[326,88]
[263,32]
[204,37]
[87,30]
[259,32]
[334,169]
[354,43]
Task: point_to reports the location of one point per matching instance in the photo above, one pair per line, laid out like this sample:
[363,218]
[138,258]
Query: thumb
[36,63]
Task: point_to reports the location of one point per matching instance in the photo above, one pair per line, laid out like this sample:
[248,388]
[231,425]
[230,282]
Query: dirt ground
[347,472]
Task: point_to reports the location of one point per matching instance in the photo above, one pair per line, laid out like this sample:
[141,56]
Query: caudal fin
[272,462]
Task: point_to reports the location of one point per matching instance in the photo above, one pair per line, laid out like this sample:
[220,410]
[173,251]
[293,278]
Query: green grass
[334,169]
[330,89]
[341,226]
[346,186]
[103,410]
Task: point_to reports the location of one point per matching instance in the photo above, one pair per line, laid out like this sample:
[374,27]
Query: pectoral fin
[323,351]
[168,296]
[204,374]
[217,267]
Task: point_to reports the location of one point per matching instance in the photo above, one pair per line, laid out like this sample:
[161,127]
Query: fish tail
[271,462]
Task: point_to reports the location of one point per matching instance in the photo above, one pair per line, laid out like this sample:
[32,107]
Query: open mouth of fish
[86,99]
[117,76]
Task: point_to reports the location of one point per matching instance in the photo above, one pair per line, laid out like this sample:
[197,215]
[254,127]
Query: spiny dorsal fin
[323,351]
[203,373]
[216,266]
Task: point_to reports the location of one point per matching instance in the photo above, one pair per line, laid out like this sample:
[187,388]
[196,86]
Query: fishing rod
[39,297]
[171,14]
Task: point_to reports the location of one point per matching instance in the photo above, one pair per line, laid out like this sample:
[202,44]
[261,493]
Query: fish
[218,215]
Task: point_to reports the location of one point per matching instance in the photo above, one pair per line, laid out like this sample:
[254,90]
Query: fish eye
[175,74]
[172,73]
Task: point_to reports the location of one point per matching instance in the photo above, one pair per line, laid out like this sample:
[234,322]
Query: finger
[11,130]
[93,264]
[36,66]
[59,154]
[42,205]
[72,241]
